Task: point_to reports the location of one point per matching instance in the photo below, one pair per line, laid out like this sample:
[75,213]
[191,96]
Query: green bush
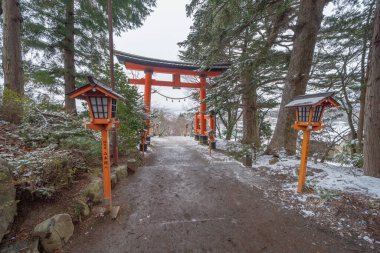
[12,106]
[90,148]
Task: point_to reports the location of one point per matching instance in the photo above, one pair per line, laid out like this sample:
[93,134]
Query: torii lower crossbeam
[142,81]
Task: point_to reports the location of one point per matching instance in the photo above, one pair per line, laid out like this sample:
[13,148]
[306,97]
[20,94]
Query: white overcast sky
[157,38]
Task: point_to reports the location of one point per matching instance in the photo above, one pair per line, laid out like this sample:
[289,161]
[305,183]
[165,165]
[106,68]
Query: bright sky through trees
[158,38]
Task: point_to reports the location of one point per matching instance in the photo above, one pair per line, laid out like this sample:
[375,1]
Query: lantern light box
[310,108]
[101,101]
[309,113]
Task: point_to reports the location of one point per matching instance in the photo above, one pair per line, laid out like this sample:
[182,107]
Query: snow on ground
[321,176]
[325,176]
[338,197]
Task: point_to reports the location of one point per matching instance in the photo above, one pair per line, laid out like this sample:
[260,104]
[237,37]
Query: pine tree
[305,37]
[12,106]
[372,105]
[73,33]
[341,62]
[243,33]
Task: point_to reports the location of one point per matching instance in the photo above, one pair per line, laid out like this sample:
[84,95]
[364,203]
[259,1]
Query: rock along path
[184,201]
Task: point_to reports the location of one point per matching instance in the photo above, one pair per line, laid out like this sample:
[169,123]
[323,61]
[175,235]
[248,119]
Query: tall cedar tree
[243,33]
[74,33]
[68,56]
[372,105]
[12,62]
[305,38]
[341,62]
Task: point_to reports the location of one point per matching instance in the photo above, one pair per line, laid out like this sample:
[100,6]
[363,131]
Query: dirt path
[183,201]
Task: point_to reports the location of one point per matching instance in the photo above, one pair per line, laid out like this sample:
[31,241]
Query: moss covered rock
[8,204]
[121,172]
[94,190]
[54,232]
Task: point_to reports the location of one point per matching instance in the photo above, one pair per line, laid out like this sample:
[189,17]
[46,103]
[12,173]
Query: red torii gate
[176,69]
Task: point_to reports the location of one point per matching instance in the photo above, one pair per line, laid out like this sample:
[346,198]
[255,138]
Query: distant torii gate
[176,69]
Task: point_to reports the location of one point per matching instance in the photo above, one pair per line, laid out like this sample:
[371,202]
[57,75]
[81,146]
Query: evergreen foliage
[44,32]
[253,36]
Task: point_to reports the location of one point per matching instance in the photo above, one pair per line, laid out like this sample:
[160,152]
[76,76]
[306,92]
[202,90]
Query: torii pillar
[147,98]
[202,109]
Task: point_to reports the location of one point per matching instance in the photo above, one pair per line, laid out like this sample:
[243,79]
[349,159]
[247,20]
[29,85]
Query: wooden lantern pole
[305,152]
[107,196]
[304,155]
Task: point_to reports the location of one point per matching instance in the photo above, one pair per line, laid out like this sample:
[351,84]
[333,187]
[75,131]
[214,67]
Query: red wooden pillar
[196,123]
[148,95]
[202,110]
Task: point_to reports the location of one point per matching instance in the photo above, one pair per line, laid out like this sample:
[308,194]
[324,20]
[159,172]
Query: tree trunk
[251,133]
[12,108]
[68,57]
[364,76]
[346,104]
[372,106]
[363,90]
[228,123]
[305,37]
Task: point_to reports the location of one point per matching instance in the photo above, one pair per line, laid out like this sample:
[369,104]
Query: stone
[121,172]
[263,168]
[22,246]
[34,246]
[94,190]
[8,203]
[80,206]
[274,160]
[247,160]
[54,232]
[132,165]
[114,212]
[113,180]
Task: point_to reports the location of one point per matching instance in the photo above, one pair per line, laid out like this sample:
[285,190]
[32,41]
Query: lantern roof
[325,99]
[94,85]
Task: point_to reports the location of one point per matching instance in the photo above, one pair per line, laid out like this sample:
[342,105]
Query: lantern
[102,103]
[309,112]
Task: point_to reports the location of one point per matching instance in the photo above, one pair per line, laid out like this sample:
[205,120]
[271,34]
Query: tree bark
[251,129]
[68,57]
[372,106]
[115,146]
[12,108]
[364,78]
[305,37]
[363,90]
[251,121]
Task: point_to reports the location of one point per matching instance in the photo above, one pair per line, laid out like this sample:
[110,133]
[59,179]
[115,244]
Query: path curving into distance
[184,201]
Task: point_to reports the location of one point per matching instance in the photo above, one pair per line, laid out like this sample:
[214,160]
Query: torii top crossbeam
[135,62]
[176,69]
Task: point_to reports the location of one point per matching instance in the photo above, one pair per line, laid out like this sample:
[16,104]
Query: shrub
[89,147]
